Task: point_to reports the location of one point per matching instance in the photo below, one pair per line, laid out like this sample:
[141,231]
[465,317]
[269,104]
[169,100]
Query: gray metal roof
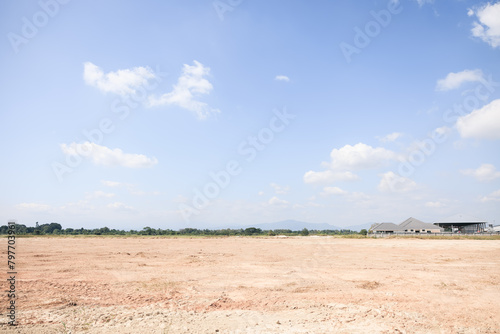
[386,227]
[461,218]
[415,224]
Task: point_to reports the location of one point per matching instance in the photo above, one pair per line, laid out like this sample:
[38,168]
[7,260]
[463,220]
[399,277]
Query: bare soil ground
[255,285]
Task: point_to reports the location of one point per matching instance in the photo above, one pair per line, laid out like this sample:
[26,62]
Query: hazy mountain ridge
[296,225]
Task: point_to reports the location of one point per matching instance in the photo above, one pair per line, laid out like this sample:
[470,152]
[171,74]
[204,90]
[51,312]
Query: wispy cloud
[282,78]
[435,204]
[118,206]
[277,202]
[493,197]
[390,137]
[455,80]
[111,183]
[122,82]
[488,27]
[484,173]
[104,156]
[333,191]
[190,86]
[131,188]
[328,176]
[34,207]
[100,194]
[423,2]
[280,189]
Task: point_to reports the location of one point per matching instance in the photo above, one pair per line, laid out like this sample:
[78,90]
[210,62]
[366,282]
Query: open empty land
[255,285]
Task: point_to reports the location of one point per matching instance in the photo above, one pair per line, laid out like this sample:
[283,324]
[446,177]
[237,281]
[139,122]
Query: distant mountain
[293,225]
[359,227]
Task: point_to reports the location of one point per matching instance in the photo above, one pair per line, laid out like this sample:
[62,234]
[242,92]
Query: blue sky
[213,113]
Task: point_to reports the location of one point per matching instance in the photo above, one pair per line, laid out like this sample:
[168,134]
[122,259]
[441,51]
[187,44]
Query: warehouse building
[385,228]
[414,225]
[410,225]
[463,224]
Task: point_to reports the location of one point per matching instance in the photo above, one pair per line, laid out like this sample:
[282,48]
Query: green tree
[252,231]
[363,232]
[49,228]
[146,231]
[304,232]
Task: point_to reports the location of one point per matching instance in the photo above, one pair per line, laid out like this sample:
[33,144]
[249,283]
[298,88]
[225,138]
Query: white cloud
[102,155]
[455,80]
[482,123]
[347,158]
[328,176]
[333,191]
[360,156]
[190,85]
[390,137]
[121,82]
[484,173]
[494,196]
[260,193]
[35,207]
[282,78]
[434,204]
[278,202]
[280,189]
[392,182]
[488,27]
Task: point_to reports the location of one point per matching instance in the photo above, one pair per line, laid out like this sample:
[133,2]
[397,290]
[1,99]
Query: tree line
[56,229]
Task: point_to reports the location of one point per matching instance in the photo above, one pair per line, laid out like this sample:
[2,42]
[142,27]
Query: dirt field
[255,285]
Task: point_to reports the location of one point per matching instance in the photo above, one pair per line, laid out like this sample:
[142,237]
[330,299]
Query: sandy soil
[256,285]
